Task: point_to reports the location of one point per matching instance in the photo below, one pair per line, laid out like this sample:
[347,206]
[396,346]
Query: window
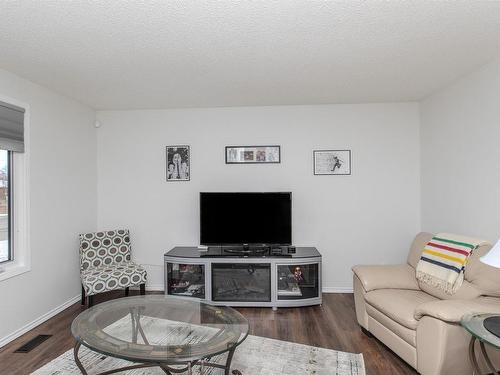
[15,256]
[5,206]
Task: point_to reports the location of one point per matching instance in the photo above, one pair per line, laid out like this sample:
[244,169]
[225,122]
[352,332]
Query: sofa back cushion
[485,278]
[417,247]
[480,279]
[466,291]
[104,248]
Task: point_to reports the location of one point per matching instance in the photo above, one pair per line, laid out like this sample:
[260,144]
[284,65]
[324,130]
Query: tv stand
[238,276]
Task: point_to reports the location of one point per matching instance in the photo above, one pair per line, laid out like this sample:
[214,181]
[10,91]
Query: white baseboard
[338,289]
[21,331]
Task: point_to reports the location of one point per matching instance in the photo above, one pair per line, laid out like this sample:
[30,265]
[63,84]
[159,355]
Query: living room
[376,123]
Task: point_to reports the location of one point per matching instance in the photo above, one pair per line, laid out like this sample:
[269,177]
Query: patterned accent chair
[105,264]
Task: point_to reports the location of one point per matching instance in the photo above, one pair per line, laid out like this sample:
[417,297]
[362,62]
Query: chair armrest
[400,276]
[452,310]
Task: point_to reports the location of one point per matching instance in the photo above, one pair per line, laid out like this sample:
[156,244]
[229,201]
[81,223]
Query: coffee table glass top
[474,324]
[159,329]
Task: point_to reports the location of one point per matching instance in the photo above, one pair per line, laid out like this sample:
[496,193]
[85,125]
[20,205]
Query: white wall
[62,188]
[447,170]
[369,217]
[461,157]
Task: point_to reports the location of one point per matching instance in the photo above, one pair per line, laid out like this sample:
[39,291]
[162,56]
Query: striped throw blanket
[443,261]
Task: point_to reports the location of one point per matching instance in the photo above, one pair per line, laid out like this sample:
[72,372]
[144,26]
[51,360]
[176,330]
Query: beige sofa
[420,323]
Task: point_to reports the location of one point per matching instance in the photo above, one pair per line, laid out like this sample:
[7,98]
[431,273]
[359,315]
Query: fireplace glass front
[298,281]
[186,280]
[244,282]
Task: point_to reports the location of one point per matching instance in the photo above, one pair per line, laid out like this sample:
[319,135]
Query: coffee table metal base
[167,368]
[473,359]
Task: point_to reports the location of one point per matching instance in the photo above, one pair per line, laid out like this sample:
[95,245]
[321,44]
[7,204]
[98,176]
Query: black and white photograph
[332,162]
[249,155]
[178,163]
[253,154]
[260,155]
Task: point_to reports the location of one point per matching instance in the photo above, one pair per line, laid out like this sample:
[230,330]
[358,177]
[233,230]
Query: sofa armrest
[452,310]
[400,276]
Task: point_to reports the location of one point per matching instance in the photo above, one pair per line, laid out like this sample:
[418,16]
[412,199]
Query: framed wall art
[332,162]
[253,154]
[178,163]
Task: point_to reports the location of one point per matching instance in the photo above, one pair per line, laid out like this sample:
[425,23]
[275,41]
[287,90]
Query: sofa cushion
[417,247]
[480,279]
[466,291]
[407,334]
[482,276]
[452,311]
[111,277]
[104,248]
[399,305]
[402,276]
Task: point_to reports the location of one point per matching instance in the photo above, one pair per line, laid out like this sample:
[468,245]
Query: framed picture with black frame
[253,154]
[331,162]
[178,163]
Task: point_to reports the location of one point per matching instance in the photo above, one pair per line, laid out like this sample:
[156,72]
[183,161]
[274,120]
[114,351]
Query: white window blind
[11,127]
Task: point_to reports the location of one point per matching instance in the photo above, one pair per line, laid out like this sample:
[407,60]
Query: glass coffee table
[474,324]
[153,331]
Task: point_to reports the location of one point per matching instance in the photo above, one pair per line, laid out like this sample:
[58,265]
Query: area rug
[255,356]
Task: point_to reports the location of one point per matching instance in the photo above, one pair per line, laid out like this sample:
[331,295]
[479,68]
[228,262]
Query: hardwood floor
[332,325]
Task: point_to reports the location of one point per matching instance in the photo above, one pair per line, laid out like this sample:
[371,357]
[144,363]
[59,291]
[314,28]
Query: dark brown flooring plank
[332,325]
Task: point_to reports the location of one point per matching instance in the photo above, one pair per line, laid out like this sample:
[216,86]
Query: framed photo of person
[332,162]
[178,163]
[253,154]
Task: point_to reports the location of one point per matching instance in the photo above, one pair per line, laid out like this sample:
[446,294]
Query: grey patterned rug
[255,356]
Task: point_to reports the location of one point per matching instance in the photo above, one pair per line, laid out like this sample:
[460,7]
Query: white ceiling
[161,54]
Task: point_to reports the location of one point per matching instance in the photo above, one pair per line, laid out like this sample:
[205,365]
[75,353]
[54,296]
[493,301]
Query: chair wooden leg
[143,289]
[83,295]
[126,291]
[91,301]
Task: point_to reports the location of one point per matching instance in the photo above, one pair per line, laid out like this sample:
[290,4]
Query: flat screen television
[245,218]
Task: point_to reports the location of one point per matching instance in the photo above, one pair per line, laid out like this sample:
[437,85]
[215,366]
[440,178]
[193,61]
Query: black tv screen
[245,218]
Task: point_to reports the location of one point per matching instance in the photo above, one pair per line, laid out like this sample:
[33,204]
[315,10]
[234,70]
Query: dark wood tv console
[233,280]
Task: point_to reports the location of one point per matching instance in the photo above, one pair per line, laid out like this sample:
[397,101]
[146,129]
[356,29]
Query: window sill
[10,270]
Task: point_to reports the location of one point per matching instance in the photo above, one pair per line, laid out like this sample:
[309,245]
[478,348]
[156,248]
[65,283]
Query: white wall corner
[41,319]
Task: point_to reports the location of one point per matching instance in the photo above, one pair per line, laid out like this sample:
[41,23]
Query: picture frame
[253,154]
[178,163]
[332,162]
